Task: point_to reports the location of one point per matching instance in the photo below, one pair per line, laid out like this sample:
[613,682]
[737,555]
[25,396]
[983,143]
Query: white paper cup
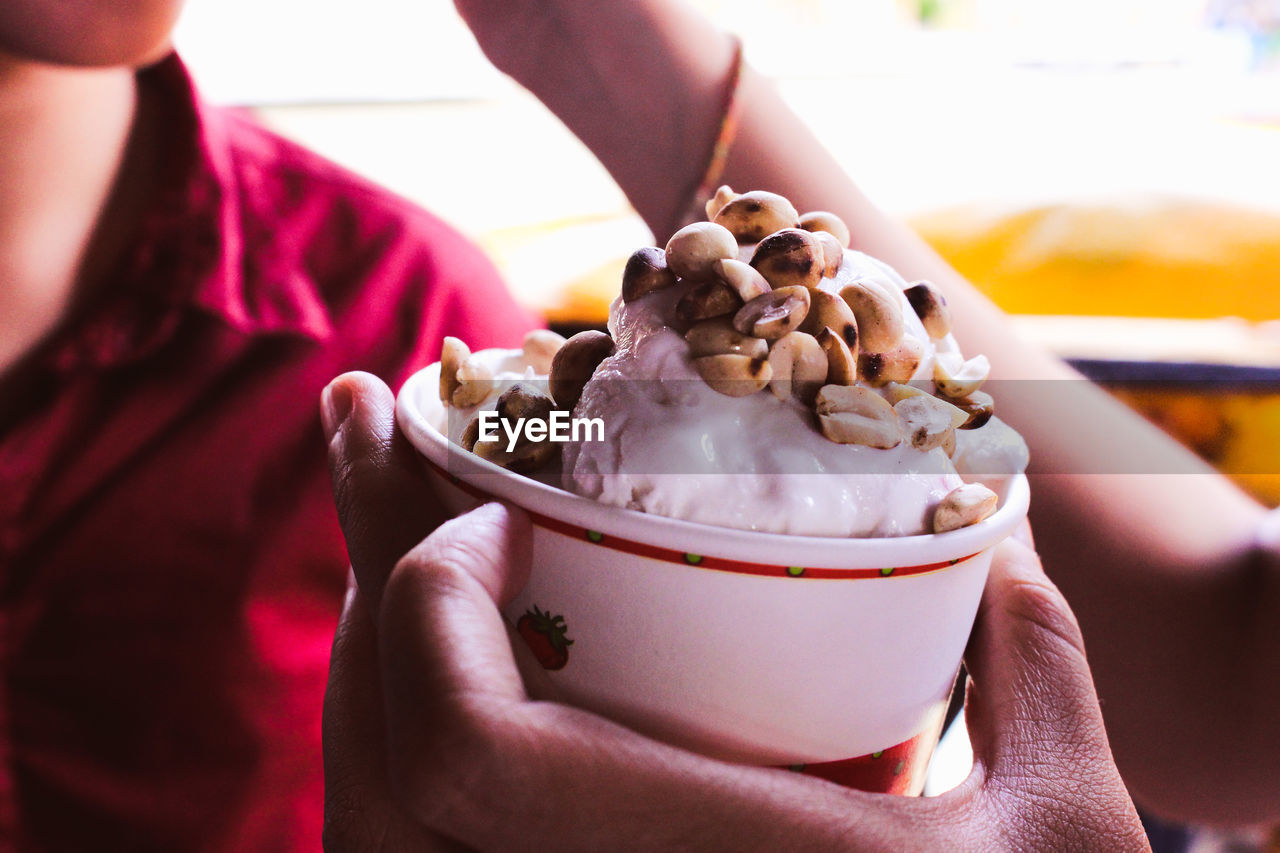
[758,648]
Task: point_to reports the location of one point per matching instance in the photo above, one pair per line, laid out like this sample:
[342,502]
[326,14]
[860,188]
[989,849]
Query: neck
[63,136]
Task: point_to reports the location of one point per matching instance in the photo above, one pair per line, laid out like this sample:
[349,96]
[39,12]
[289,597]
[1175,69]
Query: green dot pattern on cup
[595,535]
[798,768]
[899,767]
[886,572]
[693,559]
[877,754]
[795,571]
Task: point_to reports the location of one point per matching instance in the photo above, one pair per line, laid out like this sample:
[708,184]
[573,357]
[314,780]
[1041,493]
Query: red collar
[200,245]
[240,275]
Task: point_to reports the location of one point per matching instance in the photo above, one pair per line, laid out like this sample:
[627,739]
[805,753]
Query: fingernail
[335,406]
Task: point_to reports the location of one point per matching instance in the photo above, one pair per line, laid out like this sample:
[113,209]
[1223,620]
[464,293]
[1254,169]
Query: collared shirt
[170,564]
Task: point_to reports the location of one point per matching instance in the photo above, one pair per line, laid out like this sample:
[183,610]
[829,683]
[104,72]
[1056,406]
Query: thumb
[1032,711]
[384,504]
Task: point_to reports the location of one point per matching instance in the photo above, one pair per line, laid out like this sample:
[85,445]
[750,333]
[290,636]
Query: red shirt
[170,564]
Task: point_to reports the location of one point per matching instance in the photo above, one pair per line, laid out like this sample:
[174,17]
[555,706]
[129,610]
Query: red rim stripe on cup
[699,561]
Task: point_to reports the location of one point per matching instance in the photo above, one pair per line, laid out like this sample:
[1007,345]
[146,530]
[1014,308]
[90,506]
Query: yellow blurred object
[1142,257]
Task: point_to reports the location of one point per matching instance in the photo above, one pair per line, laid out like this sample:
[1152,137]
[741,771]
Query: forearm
[1152,548]
[641,84]
[1156,564]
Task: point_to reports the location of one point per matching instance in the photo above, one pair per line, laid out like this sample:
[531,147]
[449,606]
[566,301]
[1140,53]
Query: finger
[1024,534]
[384,504]
[360,813]
[1032,711]
[473,758]
[444,643]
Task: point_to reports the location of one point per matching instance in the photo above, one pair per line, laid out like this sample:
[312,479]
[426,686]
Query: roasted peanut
[526,458]
[719,337]
[471,434]
[828,310]
[706,300]
[790,257]
[574,364]
[540,346]
[963,506]
[799,366]
[931,307]
[927,421]
[978,406]
[954,377]
[744,279]
[842,366]
[723,196]
[774,314]
[693,249]
[523,400]
[832,253]
[475,382]
[897,365]
[646,272]
[852,414]
[755,215]
[949,444]
[879,315]
[452,354]
[899,391]
[821,220]
[734,375]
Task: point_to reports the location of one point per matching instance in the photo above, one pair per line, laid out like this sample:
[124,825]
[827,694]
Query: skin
[1177,596]
[438,737]
[73,150]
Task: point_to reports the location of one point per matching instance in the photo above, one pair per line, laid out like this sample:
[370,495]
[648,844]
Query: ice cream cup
[833,656]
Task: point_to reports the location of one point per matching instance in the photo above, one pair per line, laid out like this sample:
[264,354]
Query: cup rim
[730,543]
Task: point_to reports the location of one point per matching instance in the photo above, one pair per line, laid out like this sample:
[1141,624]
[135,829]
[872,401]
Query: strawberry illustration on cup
[546,637]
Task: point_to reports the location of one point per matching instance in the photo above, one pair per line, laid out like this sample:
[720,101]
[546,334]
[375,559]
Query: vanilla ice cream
[677,443]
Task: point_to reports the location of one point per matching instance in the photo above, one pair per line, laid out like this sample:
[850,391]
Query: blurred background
[1108,170]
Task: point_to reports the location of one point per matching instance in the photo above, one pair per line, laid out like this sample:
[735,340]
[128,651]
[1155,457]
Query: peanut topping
[978,407]
[719,337]
[744,279]
[899,391]
[790,257]
[475,381]
[879,315]
[963,506]
[646,272]
[574,364]
[931,307]
[955,377]
[693,249]
[821,220]
[852,414]
[927,421]
[540,346]
[723,196]
[842,366]
[734,375]
[832,253]
[452,354]
[799,366]
[774,314]
[706,300]
[897,365]
[826,309]
[755,215]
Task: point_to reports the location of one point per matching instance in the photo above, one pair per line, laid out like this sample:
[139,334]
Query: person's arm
[435,739]
[1178,605]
